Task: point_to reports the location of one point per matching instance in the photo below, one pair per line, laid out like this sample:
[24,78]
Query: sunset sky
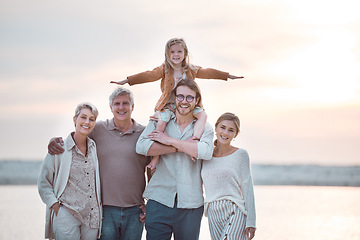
[299,102]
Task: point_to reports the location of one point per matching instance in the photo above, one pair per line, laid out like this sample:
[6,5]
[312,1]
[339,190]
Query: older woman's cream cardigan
[54,176]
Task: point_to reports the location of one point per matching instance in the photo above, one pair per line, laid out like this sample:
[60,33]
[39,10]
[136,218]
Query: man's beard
[184,111]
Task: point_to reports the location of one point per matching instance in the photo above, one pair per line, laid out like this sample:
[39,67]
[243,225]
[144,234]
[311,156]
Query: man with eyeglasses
[174,193]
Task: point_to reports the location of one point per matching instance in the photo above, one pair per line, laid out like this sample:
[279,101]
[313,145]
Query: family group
[108,179]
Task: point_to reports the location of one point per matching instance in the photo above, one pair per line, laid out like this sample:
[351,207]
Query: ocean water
[283,213]
[17,172]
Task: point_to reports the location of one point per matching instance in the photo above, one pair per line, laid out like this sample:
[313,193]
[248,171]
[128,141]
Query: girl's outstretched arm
[123,82]
[234,77]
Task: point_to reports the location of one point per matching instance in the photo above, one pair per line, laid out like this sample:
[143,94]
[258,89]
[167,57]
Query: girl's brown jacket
[168,83]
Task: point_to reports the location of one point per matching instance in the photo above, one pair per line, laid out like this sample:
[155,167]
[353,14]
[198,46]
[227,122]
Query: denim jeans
[121,223]
[161,222]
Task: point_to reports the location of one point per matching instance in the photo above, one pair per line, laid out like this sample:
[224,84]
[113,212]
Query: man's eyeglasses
[181,98]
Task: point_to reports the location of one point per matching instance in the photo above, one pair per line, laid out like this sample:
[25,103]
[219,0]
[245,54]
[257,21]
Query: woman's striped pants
[226,221]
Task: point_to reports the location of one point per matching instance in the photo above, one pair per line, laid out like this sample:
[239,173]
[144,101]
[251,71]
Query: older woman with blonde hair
[69,183]
[229,204]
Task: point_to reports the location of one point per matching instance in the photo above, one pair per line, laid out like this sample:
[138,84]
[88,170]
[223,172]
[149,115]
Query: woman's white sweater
[229,178]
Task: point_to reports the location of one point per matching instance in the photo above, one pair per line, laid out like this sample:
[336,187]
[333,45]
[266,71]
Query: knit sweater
[229,178]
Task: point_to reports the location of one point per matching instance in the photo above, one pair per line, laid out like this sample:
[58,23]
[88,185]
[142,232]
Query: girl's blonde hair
[168,64]
[231,117]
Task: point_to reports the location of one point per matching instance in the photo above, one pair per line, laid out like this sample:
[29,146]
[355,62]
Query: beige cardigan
[53,178]
[168,83]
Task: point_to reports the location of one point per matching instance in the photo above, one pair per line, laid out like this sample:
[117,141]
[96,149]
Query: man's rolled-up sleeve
[205,145]
[143,144]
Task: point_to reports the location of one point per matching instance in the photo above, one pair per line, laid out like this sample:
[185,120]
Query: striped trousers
[226,221]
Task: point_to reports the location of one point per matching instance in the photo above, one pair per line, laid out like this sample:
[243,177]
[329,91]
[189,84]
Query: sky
[299,101]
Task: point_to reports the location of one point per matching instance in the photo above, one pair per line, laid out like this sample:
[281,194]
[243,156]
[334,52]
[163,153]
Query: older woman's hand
[56,208]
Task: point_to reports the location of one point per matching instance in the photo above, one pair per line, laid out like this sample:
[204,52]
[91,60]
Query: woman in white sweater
[69,183]
[229,204]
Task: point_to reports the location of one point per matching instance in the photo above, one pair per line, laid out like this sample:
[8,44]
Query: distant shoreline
[18,172]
